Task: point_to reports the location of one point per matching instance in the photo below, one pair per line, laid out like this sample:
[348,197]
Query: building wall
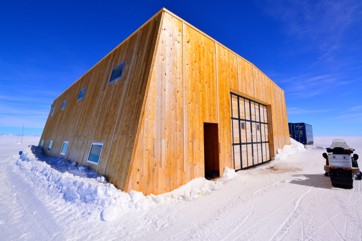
[151,121]
[190,84]
[109,112]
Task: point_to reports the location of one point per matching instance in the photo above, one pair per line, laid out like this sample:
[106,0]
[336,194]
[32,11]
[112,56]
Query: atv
[341,165]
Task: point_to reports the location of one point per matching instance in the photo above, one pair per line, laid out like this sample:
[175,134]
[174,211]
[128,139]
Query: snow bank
[83,187]
[289,150]
[260,203]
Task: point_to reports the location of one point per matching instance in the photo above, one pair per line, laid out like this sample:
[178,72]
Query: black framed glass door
[250,141]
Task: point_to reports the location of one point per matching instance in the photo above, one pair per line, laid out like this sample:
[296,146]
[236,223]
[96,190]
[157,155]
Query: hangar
[167,105]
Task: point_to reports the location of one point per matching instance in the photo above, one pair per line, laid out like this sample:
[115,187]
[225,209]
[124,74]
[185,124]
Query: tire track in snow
[347,220]
[200,229]
[289,221]
[260,191]
[305,229]
[330,220]
[302,233]
[352,215]
[246,218]
[358,209]
[316,201]
[216,229]
[264,224]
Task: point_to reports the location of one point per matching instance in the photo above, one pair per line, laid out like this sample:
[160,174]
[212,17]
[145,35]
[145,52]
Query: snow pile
[289,150]
[85,188]
[280,200]
[191,190]
[198,187]
[80,185]
[229,173]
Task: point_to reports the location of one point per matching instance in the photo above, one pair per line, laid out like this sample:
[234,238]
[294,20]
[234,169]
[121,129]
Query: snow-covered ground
[286,199]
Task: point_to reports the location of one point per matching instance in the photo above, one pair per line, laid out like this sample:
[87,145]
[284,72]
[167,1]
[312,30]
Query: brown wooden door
[211,148]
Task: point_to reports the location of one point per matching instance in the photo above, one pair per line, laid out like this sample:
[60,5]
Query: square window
[52,111]
[117,72]
[50,145]
[95,153]
[242,125]
[81,94]
[64,148]
[64,104]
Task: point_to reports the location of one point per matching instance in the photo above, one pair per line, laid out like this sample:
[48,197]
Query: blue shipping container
[301,132]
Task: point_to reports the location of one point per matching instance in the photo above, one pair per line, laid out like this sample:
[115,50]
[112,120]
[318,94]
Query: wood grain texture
[109,112]
[151,121]
[190,85]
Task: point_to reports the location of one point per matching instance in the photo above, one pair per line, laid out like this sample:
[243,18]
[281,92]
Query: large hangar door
[250,141]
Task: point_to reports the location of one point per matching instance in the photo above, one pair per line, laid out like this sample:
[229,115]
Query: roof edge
[133,33]
[208,36]
[161,11]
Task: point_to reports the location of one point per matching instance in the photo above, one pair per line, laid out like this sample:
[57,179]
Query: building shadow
[312,180]
[62,165]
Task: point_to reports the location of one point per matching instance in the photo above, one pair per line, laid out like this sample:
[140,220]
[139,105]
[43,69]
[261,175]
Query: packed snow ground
[287,199]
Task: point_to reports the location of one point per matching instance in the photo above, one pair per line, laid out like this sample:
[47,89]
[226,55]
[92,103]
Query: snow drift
[83,186]
[289,198]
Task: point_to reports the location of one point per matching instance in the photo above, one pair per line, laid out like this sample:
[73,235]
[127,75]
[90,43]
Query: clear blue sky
[312,49]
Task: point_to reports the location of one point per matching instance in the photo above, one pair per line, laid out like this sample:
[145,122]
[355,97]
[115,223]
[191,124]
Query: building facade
[167,105]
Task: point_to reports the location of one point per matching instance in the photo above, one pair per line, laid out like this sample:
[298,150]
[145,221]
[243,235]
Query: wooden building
[167,105]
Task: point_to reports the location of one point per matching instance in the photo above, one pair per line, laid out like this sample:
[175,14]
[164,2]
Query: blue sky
[312,49]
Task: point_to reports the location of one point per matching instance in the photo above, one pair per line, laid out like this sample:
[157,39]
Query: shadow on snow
[63,165]
[312,180]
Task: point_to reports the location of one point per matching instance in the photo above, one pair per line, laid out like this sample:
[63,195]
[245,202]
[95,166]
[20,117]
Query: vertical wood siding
[109,112]
[190,84]
[151,120]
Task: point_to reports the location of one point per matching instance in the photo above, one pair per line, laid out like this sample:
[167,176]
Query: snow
[44,198]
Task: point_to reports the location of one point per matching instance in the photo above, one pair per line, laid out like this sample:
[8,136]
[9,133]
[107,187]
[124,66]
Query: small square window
[81,93]
[64,105]
[50,145]
[258,127]
[95,153]
[242,125]
[117,72]
[64,148]
[52,111]
[42,143]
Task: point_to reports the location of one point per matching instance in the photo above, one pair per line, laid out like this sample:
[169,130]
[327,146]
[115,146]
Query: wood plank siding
[151,121]
[109,112]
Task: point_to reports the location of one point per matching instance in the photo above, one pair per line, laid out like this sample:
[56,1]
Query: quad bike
[341,165]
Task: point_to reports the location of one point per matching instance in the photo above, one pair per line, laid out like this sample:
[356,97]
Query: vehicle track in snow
[291,219]
[214,229]
[337,219]
[240,215]
[254,195]
[240,208]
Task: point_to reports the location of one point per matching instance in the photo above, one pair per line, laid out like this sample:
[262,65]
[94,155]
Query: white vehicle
[341,165]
